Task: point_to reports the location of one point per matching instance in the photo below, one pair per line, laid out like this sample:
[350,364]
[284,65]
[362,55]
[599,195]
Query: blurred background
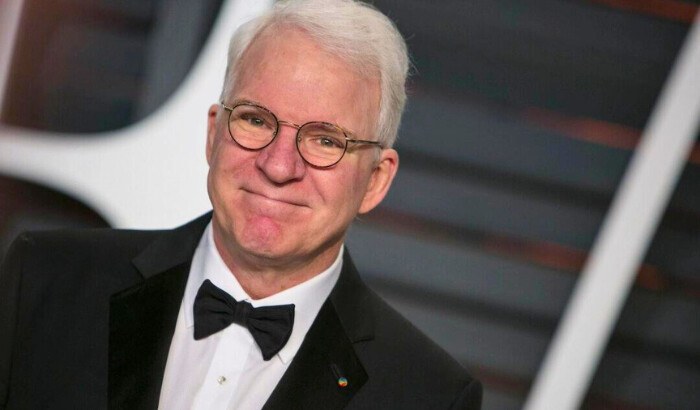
[522,117]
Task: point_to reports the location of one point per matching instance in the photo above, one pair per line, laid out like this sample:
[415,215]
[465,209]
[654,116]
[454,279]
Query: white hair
[350,30]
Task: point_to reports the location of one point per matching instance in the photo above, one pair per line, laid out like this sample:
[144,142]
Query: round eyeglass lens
[321,144]
[252,127]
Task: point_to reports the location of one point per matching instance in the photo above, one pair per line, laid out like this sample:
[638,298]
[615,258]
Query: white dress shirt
[226,370]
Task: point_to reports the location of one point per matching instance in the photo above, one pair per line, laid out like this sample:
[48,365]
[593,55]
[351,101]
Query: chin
[264,238]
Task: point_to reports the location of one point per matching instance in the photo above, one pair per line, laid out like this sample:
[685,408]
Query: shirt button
[221,379]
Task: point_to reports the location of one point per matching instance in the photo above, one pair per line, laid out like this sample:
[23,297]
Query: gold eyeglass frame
[298,128]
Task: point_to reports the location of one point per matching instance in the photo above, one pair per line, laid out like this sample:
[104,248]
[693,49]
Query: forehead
[286,71]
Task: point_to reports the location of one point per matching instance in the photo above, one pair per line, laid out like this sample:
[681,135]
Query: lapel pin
[341,380]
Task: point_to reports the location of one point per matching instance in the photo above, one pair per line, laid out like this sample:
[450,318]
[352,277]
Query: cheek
[344,192]
[229,161]
[225,172]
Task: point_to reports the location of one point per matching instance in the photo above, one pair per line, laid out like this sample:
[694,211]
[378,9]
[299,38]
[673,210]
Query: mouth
[274,199]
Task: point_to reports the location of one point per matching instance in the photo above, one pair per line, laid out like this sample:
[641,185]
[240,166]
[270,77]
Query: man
[256,305]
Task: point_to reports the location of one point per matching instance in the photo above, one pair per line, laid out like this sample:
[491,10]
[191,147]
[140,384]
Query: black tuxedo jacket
[86,320]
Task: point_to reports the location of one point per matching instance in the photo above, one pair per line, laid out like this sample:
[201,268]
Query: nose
[280,161]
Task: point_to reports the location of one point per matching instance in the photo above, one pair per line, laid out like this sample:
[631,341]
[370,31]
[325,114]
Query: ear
[211,130]
[380,180]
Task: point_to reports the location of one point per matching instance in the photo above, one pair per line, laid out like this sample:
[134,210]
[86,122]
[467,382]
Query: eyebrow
[245,101]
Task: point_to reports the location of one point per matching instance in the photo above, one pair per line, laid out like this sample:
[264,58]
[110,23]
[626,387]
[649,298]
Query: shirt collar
[307,297]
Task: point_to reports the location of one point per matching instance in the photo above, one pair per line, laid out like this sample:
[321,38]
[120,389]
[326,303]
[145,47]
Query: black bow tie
[215,310]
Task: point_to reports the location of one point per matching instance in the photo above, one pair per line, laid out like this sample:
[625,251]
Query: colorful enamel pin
[341,380]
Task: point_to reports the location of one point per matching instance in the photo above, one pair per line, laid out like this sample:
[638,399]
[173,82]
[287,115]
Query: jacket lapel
[143,317]
[327,354]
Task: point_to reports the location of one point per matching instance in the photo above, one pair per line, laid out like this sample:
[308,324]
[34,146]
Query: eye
[255,121]
[327,142]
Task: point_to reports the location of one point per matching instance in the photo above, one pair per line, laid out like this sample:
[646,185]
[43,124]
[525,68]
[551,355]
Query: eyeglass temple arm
[356,141]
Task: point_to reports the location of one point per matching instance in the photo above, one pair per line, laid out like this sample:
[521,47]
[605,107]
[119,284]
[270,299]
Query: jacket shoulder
[74,259]
[93,241]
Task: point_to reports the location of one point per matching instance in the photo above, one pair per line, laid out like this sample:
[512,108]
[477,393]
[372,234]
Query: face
[271,209]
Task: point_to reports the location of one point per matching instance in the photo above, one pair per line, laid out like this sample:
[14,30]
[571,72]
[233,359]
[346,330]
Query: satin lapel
[327,354]
[142,322]
[311,382]
[143,317]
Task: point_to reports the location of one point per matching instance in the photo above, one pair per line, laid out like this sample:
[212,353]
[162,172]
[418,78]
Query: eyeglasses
[320,144]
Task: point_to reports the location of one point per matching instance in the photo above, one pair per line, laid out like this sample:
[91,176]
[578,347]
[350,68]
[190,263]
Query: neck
[261,276]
